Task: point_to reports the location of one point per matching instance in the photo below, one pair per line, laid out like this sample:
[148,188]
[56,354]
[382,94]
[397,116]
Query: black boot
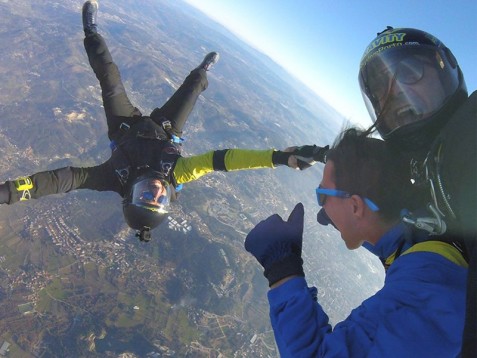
[90,9]
[209,60]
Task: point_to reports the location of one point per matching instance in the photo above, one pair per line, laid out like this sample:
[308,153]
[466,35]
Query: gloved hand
[305,156]
[276,244]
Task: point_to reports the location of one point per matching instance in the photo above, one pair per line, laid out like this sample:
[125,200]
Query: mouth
[405,111]
[406,115]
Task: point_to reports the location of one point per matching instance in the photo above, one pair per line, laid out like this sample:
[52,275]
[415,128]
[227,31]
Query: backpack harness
[131,150]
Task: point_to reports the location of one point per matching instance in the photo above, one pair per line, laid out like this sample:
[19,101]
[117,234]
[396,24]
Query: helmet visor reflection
[406,71]
[406,85]
[151,194]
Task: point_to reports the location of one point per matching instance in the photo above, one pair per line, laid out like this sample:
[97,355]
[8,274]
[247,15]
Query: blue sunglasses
[322,193]
[148,195]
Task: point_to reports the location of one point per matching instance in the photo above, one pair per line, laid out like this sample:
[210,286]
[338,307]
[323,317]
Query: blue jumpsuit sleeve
[302,328]
[299,323]
[419,312]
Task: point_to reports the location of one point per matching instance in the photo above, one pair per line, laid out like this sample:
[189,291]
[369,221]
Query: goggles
[408,71]
[322,193]
[151,194]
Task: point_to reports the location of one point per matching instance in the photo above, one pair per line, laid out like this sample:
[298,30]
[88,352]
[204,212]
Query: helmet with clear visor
[411,84]
[148,201]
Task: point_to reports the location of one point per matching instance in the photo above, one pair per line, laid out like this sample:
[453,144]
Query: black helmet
[147,202]
[411,84]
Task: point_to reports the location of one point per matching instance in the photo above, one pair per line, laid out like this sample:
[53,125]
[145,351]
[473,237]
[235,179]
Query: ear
[358,206]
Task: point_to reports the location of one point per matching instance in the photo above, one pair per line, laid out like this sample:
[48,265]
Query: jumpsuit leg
[116,103]
[179,106]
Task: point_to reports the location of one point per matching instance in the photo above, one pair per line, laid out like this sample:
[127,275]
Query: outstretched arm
[57,181]
[192,168]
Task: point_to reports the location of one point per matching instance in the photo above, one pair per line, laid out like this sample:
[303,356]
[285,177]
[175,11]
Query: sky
[321,42]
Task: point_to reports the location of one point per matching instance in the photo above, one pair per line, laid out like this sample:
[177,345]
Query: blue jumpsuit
[419,312]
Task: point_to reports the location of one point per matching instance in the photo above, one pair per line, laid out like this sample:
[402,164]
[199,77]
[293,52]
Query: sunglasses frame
[340,194]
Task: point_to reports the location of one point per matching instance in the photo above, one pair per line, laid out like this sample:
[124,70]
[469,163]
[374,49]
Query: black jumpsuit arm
[62,180]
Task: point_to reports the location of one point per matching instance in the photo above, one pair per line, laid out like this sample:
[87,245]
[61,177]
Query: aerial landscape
[74,281]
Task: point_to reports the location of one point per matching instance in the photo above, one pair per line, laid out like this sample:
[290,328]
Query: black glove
[307,155]
[276,244]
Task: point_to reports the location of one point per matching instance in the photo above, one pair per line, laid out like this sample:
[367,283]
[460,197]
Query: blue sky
[321,41]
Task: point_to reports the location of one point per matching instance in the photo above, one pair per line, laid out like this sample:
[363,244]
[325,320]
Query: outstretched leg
[116,103]
[177,109]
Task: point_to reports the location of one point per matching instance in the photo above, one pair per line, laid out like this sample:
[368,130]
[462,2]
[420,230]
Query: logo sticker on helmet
[385,39]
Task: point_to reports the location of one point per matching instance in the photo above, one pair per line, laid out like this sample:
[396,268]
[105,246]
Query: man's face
[402,86]
[340,210]
[150,191]
[408,91]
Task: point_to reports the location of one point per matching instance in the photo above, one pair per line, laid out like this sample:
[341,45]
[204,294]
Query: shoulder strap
[121,163]
[445,249]
[163,159]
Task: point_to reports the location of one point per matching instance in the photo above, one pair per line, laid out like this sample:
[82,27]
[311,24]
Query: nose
[394,88]
[156,191]
[323,218]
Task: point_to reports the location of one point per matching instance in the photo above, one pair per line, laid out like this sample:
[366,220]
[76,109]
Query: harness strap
[124,127]
[444,249]
[166,124]
[120,163]
[393,256]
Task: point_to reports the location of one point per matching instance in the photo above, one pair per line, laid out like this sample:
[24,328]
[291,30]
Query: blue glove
[276,244]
